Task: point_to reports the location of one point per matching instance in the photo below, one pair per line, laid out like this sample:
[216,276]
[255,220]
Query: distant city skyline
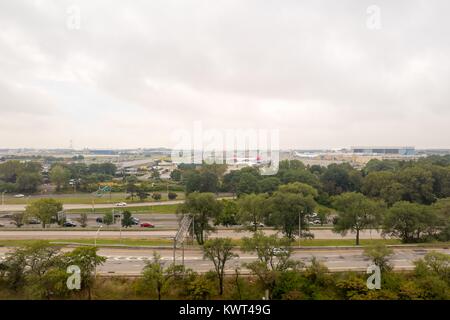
[326,74]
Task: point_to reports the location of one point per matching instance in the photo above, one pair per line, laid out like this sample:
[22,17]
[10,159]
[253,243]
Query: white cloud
[135,72]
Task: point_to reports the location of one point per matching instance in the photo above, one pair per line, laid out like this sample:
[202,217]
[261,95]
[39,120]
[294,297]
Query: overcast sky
[325,73]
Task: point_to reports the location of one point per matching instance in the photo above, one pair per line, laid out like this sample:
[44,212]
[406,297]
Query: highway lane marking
[143,258]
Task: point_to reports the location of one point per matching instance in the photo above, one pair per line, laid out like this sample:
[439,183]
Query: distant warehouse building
[400,151]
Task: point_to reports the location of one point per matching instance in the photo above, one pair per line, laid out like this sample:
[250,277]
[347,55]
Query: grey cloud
[311,68]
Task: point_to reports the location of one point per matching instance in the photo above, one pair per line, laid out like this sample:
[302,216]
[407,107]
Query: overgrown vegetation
[39,271]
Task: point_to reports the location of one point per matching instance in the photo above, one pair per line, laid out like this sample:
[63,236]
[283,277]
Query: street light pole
[96,235]
[3,198]
[174,248]
[193,229]
[95,245]
[299,227]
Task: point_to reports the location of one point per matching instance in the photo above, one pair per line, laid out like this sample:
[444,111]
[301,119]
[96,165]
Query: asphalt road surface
[160,220]
[161,234]
[132,261]
[21,207]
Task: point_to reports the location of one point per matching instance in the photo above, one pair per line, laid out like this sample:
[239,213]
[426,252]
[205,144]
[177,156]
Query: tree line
[28,176]
[406,199]
[40,271]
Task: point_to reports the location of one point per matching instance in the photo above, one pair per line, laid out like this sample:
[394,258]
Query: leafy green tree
[303,175]
[291,164]
[87,259]
[155,174]
[418,184]
[272,251]
[219,251]
[27,267]
[199,288]
[442,213]
[217,169]
[441,180]
[48,285]
[273,258]
[175,175]
[269,185]
[156,196]
[230,181]
[205,181]
[127,219]
[409,221]
[379,255]
[159,278]
[59,176]
[108,218]
[290,203]
[172,195]
[202,207]
[192,180]
[108,168]
[352,287]
[155,276]
[142,193]
[10,170]
[209,182]
[229,214]
[323,214]
[433,276]
[392,193]
[339,178]
[83,220]
[356,212]
[18,218]
[252,210]
[132,188]
[248,184]
[45,210]
[375,165]
[29,182]
[375,182]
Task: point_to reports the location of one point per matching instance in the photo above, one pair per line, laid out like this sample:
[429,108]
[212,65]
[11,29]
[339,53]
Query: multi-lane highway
[160,234]
[132,261]
[21,207]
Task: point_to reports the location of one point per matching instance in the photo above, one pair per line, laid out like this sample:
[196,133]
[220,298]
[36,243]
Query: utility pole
[182,256]
[3,198]
[174,248]
[299,227]
[193,229]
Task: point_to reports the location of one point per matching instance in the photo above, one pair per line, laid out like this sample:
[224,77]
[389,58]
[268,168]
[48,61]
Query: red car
[147,225]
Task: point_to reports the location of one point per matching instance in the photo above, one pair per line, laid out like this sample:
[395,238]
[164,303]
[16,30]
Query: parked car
[19,195]
[135,221]
[99,220]
[258,224]
[279,251]
[34,221]
[69,224]
[1,225]
[147,225]
[121,204]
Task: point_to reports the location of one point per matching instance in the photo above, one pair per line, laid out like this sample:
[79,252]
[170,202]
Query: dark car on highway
[69,224]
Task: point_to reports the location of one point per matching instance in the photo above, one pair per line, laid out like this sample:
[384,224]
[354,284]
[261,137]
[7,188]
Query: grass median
[161,209]
[88,198]
[236,242]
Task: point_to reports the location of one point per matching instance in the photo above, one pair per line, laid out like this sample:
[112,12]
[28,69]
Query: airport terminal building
[399,151]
